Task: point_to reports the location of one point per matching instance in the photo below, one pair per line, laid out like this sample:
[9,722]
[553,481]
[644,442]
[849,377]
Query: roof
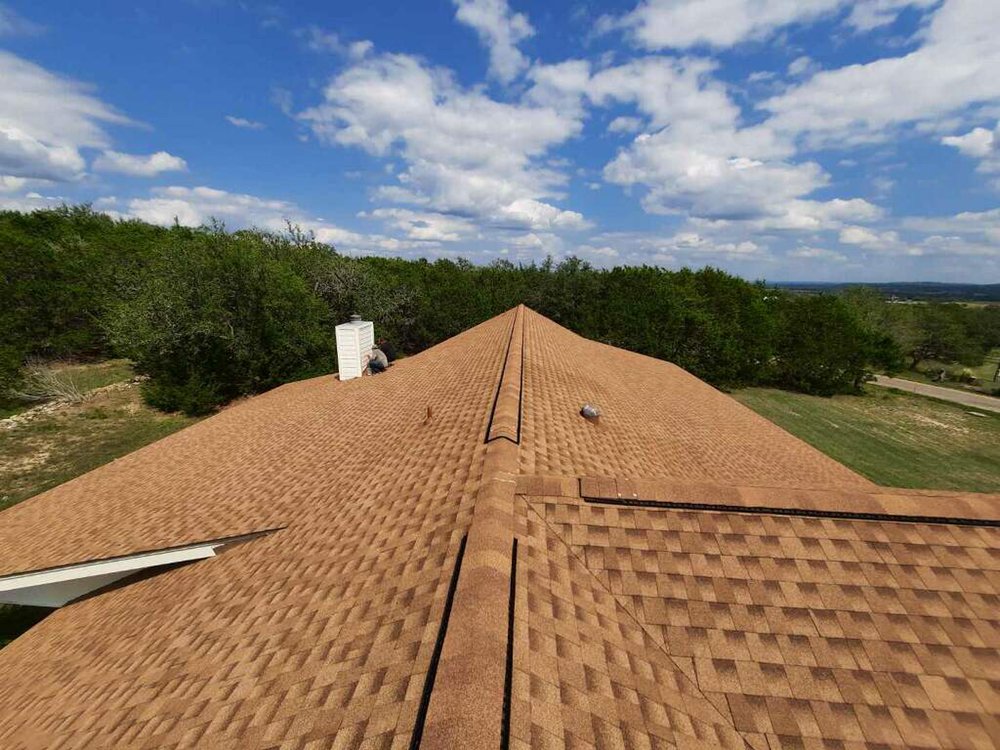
[456,558]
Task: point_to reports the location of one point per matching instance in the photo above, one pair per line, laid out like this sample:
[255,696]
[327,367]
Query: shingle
[716,624]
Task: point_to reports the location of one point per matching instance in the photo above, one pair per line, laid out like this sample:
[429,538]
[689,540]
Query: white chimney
[354,347]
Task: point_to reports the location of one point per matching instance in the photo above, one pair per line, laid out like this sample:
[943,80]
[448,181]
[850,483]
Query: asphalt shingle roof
[459,560]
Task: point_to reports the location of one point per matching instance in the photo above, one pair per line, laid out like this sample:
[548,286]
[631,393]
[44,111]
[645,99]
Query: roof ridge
[467,702]
[505,417]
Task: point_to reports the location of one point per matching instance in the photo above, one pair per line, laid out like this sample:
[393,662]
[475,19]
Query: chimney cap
[355,318]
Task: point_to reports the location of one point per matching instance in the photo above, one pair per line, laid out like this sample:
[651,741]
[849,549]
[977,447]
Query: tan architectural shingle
[678,573]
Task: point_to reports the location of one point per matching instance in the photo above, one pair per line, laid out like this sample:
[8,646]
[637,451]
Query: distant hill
[930,291]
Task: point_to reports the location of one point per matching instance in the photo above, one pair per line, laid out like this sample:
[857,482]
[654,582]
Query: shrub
[194,396]
[46,382]
[219,315]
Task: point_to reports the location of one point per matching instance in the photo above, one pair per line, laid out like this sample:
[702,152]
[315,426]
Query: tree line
[210,314]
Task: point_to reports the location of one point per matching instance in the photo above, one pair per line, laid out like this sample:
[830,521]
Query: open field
[55,446]
[892,438]
[983,373]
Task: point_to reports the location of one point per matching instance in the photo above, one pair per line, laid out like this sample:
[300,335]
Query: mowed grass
[983,373]
[894,439]
[75,438]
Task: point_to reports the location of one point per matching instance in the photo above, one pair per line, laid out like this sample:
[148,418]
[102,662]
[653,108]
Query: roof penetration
[476,566]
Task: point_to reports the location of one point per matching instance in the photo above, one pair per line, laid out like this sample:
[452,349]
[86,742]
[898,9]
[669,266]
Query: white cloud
[323,41]
[954,67]
[978,142]
[684,247]
[30,202]
[138,165]
[625,125]
[24,156]
[242,122]
[983,226]
[464,153]
[531,214]
[698,160]
[870,239]
[695,158]
[682,176]
[500,31]
[982,144]
[662,24]
[679,24]
[45,120]
[871,14]
[14,24]
[197,206]
[818,253]
[599,255]
[802,65]
[424,225]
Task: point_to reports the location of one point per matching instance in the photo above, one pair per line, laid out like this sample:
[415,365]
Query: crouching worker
[378,362]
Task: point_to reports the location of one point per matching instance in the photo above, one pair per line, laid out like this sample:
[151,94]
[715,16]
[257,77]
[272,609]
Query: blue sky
[778,139]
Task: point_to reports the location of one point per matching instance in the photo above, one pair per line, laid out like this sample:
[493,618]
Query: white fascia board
[57,586]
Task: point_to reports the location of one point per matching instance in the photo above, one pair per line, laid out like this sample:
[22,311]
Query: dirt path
[974,400]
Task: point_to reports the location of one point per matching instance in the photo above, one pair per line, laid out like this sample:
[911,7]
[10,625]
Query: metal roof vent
[590,412]
[355,340]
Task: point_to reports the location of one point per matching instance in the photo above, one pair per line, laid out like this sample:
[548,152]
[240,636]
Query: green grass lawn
[983,373]
[894,439]
[75,438]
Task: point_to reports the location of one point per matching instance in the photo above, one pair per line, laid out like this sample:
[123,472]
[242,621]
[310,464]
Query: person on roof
[388,349]
[377,362]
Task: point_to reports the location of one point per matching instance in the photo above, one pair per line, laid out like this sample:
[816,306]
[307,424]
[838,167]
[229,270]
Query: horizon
[648,132]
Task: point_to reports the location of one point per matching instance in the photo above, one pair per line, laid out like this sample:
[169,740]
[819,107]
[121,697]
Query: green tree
[219,315]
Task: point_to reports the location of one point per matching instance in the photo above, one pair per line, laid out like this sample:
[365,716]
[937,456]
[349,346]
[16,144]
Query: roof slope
[460,560]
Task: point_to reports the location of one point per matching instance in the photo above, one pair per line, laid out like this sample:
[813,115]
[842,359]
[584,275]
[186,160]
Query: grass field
[892,438]
[983,373]
[56,446]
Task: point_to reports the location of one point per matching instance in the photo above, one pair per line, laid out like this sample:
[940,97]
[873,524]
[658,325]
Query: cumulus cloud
[31,201]
[425,226]
[45,121]
[954,68]
[694,158]
[676,24]
[981,144]
[662,24]
[500,30]
[138,165]
[24,156]
[242,122]
[978,226]
[686,247]
[870,239]
[464,153]
[198,205]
